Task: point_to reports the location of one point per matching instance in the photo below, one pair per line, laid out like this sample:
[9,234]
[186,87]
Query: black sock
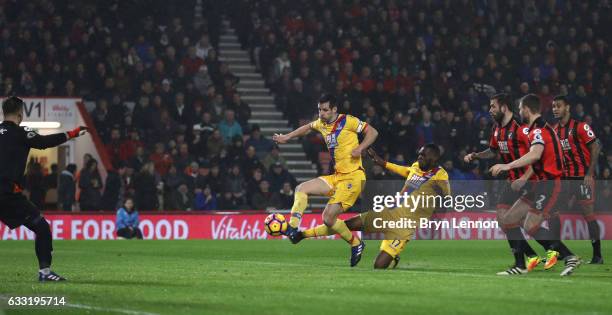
[515,239]
[554,224]
[43,242]
[543,237]
[527,249]
[562,249]
[594,235]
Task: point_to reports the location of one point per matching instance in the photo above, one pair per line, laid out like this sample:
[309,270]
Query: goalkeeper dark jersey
[15,145]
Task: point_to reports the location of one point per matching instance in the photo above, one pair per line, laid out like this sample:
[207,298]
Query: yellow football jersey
[341,138]
[428,183]
[432,182]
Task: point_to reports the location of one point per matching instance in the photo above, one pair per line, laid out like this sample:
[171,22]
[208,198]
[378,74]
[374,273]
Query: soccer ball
[275,224]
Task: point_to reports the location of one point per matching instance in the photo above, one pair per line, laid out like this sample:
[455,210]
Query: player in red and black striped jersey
[579,145]
[546,158]
[509,140]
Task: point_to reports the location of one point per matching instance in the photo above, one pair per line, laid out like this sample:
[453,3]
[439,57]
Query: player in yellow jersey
[423,177]
[344,186]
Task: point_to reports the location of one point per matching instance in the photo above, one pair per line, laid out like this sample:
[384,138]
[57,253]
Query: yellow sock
[319,230]
[300,202]
[341,228]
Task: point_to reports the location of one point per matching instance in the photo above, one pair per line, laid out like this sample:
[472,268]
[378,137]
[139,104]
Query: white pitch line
[88,307]
[116,310]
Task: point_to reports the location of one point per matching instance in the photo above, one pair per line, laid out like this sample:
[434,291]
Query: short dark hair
[503,99]
[328,97]
[12,105]
[532,102]
[562,98]
[72,168]
[434,148]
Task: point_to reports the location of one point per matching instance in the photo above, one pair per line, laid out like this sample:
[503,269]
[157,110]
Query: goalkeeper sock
[300,202]
[341,228]
[319,230]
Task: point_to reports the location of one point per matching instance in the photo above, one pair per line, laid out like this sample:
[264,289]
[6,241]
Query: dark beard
[499,118]
[425,166]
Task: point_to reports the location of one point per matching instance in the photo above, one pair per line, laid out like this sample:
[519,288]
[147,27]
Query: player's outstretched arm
[534,154]
[301,131]
[397,169]
[482,155]
[36,141]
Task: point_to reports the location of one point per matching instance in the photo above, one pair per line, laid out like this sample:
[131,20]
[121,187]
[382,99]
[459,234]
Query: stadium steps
[263,110]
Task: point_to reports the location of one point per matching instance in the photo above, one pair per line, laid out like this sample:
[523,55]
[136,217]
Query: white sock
[45,271]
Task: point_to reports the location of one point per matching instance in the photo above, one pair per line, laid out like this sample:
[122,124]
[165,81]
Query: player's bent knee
[383,260]
[300,188]
[329,220]
[39,226]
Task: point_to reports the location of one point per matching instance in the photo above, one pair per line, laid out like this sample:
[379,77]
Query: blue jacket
[201,204]
[127,219]
[229,131]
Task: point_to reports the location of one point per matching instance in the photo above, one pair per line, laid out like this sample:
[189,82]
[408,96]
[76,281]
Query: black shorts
[574,186]
[508,197]
[545,196]
[17,210]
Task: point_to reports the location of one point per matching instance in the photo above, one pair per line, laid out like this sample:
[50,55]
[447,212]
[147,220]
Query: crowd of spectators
[177,131]
[166,107]
[423,71]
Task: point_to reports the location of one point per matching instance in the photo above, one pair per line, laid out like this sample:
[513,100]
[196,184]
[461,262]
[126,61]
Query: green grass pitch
[275,277]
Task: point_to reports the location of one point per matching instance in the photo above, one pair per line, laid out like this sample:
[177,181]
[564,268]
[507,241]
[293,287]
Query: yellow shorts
[345,187]
[393,247]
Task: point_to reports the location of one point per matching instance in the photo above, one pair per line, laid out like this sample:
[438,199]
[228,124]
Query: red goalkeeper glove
[76,132]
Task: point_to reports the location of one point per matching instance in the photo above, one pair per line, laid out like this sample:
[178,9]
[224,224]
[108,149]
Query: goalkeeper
[15,209]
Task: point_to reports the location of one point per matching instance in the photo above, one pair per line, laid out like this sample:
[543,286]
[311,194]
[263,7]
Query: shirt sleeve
[442,182]
[33,140]
[136,220]
[121,218]
[398,169]
[355,125]
[316,125]
[585,133]
[523,137]
[535,137]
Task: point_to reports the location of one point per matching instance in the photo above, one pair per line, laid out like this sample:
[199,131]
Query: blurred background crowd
[177,130]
